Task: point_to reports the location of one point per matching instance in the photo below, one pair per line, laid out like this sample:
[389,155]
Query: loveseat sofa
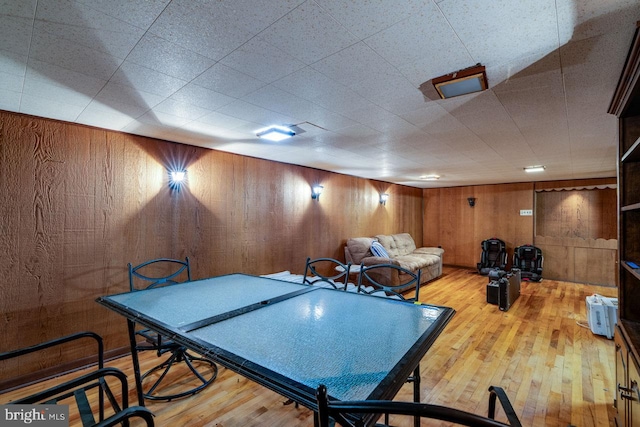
[402,251]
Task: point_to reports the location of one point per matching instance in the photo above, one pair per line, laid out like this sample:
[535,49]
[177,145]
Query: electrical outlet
[526,212]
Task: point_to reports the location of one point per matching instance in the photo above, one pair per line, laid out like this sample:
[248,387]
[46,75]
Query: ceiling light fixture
[430,177]
[469,80]
[538,168]
[275,133]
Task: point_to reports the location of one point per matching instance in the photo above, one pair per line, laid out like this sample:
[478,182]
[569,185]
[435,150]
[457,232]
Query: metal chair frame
[365,279]
[161,344]
[311,274]
[78,387]
[342,412]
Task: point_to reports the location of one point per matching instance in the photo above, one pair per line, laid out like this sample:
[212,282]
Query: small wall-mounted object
[383,198]
[472,201]
[177,178]
[526,212]
[316,191]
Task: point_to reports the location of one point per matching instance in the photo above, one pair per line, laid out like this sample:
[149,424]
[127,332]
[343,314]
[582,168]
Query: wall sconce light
[177,178]
[472,201]
[383,198]
[316,191]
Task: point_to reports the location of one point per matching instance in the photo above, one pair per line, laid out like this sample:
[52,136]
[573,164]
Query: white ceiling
[210,73]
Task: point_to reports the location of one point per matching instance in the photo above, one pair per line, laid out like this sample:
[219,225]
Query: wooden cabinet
[626,106]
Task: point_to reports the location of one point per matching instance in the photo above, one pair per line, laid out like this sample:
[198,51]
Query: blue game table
[289,337]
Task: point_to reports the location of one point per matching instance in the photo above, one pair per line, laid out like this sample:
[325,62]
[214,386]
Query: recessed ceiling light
[469,80]
[538,168]
[430,177]
[275,133]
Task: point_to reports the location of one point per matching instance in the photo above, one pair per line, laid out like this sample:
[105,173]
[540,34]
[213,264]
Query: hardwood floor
[554,370]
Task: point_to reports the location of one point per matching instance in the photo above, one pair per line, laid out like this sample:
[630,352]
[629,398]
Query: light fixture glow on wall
[275,133]
[538,168]
[469,80]
[316,191]
[383,198]
[177,178]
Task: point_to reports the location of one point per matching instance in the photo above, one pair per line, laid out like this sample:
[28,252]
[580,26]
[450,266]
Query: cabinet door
[621,379]
[634,393]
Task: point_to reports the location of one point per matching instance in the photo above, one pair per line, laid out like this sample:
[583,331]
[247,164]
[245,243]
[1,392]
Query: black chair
[80,390]
[529,260]
[373,281]
[493,256]
[343,412]
[153,274]
[315,273]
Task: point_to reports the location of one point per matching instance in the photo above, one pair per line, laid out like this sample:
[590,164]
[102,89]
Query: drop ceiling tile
[82,25]
[123,99]
[158,119]
[49,108]
[197,27]
[201,97]
[359,131]
[254,15]
[308,33]
[55,75]
[103,116]
[221,120]
[405,44]
[228,81]
[354,64]
[13,63]
[9,99]
[581,19]
[45,90]
[138,13]
[168,58]
[72,56]
[15,33]
[11,82]
[146,79]
[283,102]
[262,61]
[368,18]
[504,29]
[306,83]
[253,113]
[180,109]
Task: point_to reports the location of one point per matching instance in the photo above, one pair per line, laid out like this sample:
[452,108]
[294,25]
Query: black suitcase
[503,288]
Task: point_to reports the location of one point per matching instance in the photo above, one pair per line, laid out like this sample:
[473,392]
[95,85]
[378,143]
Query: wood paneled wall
[459,229]
[78,203]
[450,222]
[577,231]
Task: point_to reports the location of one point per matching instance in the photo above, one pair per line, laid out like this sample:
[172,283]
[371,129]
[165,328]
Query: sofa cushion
[359,248]
[429,250]
[378,250]
[404,243]
[397,244]
[414,262]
